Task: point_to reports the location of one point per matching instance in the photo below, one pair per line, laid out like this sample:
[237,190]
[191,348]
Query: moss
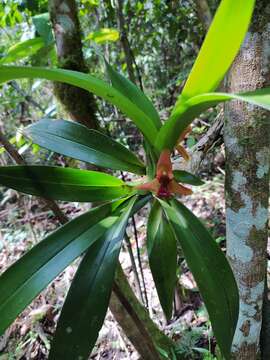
[79,103]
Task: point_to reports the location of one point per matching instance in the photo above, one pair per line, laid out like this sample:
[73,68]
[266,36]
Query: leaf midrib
[96,186]
[40,268]
[221,278]
[86,148]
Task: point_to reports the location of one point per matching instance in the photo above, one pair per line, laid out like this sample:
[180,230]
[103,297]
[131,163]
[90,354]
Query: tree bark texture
[129,58]
[204,13]
[79,103]
[247,140]
[135,321]
[265,332]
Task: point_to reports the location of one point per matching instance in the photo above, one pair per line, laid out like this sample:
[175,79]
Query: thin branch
[128,52]
[134,267]
[139,260]
[27,97]
[212,137]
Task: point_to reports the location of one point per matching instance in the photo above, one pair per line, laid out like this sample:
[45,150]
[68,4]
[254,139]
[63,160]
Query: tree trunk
[265,332]
[135,321]
[79,103]
[204,13]
[129,57]
[247,139]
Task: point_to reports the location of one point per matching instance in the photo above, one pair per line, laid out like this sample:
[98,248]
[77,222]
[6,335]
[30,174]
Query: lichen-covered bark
[247,140]
[204,13]
[265,332]
[79,103]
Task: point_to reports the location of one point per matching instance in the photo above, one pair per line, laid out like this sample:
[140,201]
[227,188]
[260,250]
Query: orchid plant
[98,233]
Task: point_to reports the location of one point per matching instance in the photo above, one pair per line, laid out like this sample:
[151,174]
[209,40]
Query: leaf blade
[162,254]
[103,35]
[186,177]
[77,141]
[22,50]
[89,83]
[63,183]
[26,278]
[186,112]
[220,47]
[88,298]
[211,272]
[135,95]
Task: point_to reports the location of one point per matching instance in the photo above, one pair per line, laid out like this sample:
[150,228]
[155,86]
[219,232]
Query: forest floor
[24,222]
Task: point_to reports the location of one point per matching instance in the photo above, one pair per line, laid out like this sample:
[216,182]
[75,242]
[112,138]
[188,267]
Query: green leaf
[211,271]
[182,116]
[43,26]
[186,112]
[260,97]
[22,50]
[27,277]
[90,83]
[103,35]
[63,183]
[151,159]
[135,95]
[77,141]
[88,298]
[185,177]
[220,47]
[162,253]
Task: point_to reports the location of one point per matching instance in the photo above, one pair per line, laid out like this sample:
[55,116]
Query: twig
[212,137]
[134,267]
[27,97]
[139,260]
[18,159]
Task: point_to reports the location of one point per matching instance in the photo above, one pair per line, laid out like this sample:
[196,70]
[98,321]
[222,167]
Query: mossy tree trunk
[247,140]
[135,321]
[79,103]
[204,13]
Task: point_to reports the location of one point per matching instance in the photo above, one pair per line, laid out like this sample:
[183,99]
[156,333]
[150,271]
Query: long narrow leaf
[87,82]
[87,301]
[260,97]
[26,278]
[77,141]
[220,47]
[183,115]
[186,112]
[211,271]
[162,253]
[127,88]
[22,50]
[63,183]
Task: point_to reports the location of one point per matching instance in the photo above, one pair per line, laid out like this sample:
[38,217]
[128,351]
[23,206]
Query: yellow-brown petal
[179,189]
[184,134]
[183,152]
[152,186]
